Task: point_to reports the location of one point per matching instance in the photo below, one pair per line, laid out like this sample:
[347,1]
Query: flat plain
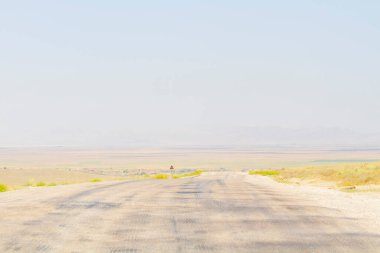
[222,210]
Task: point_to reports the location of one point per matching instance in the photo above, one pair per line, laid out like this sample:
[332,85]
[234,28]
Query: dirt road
[216,212]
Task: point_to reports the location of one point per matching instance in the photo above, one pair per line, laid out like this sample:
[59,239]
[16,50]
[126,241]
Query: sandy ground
[357,205]
[215,212]
[21,177]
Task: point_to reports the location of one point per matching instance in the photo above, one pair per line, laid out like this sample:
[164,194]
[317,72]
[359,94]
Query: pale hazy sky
[101,72]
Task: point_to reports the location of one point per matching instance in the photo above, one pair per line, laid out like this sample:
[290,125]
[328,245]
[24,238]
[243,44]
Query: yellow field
[342,175]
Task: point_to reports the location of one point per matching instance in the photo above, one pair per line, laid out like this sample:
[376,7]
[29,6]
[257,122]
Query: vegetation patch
[190,174]
[342,175]
[177,176]
[264,172]
[161,176]
[39,184]
[3,188]
[95,180]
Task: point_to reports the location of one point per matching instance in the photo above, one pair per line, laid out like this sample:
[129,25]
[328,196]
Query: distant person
[172,167]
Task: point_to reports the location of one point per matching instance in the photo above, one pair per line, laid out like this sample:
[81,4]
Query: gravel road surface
[215,212]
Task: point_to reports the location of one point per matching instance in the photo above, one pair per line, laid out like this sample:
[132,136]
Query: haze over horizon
[175,73]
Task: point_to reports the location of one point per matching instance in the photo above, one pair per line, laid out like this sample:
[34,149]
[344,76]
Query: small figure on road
[172,167]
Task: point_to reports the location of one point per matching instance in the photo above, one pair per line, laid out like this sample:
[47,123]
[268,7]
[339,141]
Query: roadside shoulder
[356,205]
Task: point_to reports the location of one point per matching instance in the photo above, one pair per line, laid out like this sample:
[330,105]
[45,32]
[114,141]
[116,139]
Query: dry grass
[16,178]
[342,175]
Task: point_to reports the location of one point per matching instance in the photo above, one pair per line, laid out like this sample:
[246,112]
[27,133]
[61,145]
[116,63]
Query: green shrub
[3,188]
[95,180]
[39,184]
[264,172]
[191,174]
[161,176]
